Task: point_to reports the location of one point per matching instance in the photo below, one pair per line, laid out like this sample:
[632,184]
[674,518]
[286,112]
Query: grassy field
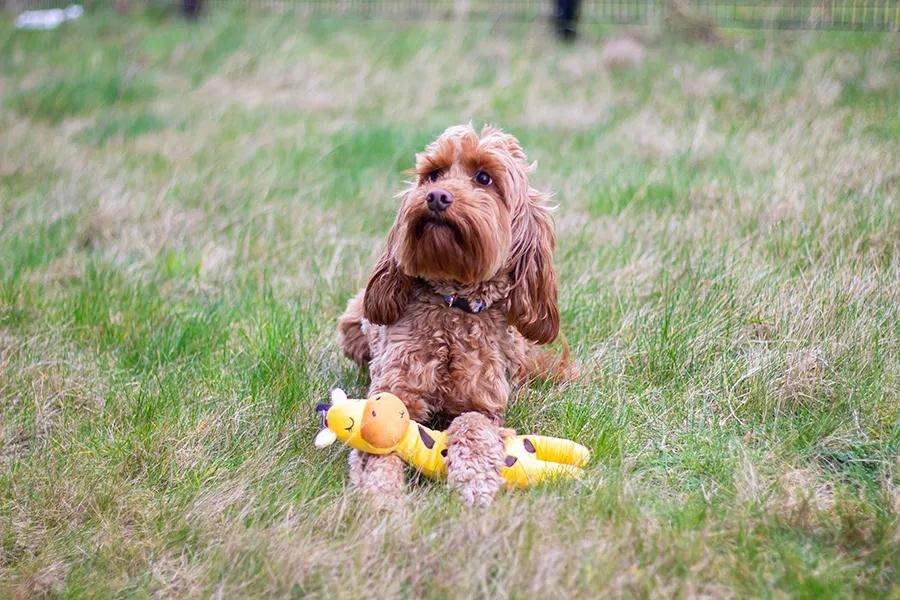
[185,209]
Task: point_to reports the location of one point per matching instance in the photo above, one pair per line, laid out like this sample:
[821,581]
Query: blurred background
[824,14]
[191,191]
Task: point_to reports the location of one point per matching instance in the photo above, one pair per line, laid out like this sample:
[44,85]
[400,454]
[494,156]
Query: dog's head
[471,216]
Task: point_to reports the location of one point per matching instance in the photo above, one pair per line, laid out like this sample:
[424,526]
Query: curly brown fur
[475,453]
[492,244]
[350,335]
[379,477]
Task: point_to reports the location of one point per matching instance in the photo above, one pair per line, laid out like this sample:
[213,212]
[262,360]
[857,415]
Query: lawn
[186,208]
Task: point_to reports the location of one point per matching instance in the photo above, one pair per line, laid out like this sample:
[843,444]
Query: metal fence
[877,15]
[873,15]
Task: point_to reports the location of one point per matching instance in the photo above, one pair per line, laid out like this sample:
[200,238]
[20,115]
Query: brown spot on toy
[510,461]
[528,445]
[426,439]
[444,453]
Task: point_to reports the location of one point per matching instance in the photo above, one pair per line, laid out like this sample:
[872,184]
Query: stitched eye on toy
[483,178]
[373,413]
[435,175]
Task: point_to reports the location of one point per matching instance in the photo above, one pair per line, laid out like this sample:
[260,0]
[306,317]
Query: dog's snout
[438,200]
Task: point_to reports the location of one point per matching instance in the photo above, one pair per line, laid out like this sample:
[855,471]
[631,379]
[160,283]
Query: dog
[457,304]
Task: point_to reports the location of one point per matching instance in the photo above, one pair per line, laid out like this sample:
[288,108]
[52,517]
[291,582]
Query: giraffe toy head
[375,425]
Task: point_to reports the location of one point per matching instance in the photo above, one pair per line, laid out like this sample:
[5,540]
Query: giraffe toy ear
[324,438]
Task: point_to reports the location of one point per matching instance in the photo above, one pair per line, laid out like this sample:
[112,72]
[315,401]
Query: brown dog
[462,293]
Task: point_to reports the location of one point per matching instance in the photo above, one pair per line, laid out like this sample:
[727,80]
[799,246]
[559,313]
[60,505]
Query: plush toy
[381,425]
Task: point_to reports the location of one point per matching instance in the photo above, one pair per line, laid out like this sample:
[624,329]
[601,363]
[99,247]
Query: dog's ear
[532,304]
[389,288]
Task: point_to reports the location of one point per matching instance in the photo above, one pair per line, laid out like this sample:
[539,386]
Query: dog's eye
[482,178]
[435,175]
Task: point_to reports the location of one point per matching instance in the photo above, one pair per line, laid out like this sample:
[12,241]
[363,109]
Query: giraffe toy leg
[556,450]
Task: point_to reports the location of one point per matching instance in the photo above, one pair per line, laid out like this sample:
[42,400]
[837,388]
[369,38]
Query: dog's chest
[452,333]
[461,355]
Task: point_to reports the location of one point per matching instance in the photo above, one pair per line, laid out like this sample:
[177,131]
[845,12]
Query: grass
[185,209]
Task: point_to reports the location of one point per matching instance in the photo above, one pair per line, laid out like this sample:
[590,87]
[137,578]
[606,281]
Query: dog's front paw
[477,493]
[474,456]
[378,478]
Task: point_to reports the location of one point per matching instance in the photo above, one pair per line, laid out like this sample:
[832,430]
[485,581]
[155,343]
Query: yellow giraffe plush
[381,425]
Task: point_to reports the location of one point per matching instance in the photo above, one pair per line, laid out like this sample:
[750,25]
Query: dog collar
[464,304]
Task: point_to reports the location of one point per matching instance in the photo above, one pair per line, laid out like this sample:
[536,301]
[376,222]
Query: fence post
[191,8]
[567,18]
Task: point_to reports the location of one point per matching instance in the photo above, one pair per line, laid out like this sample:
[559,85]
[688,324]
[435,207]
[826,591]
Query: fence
[873,15]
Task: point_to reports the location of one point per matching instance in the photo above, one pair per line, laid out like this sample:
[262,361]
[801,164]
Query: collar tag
[464,304]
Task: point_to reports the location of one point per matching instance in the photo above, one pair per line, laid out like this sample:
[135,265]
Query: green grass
[185,209]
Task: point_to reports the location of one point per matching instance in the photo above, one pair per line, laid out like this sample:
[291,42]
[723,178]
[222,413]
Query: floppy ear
[532,305]
[389,288]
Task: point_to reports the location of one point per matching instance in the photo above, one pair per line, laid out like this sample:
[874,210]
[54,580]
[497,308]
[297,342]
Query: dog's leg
[475,453]
[526,361]
[351,337]
[380,478]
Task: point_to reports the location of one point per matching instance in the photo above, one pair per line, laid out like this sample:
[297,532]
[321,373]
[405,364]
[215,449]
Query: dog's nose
[438,200]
